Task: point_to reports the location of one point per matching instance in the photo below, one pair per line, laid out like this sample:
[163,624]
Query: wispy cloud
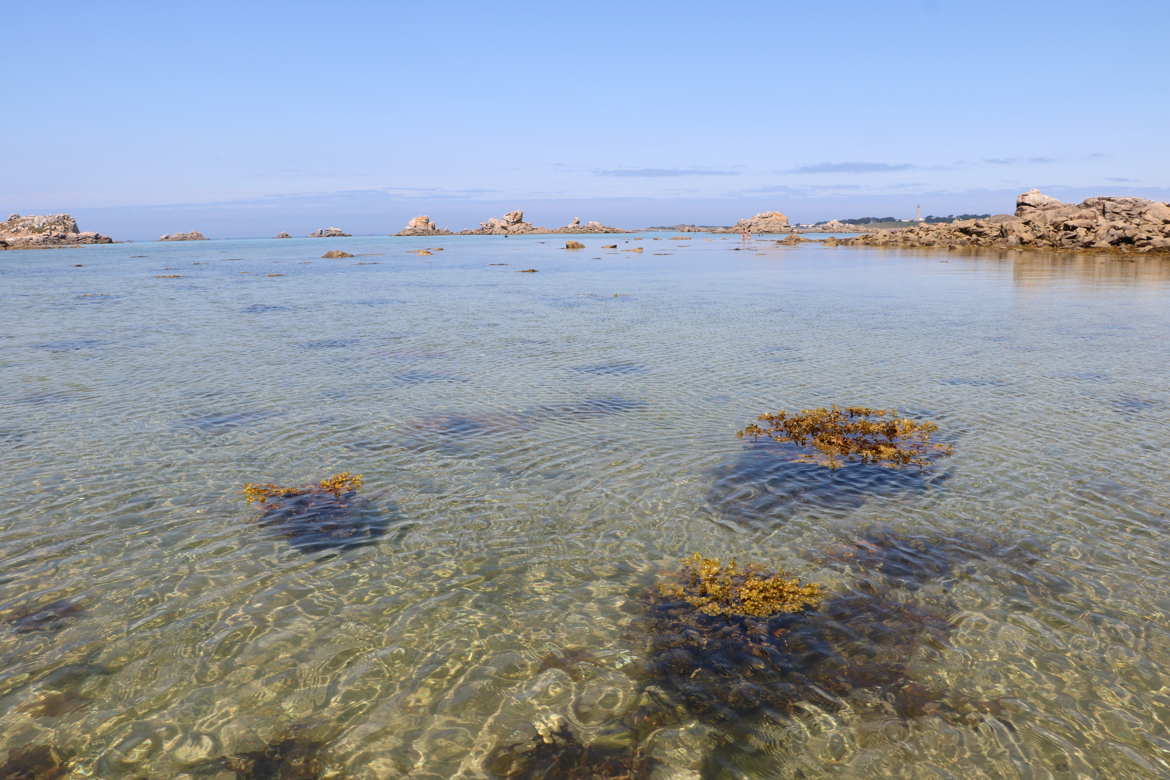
[659,173]
[1019,160]
[1119,179]
[851,167]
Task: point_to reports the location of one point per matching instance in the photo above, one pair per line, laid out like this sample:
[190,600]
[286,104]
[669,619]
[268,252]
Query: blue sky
[250,117]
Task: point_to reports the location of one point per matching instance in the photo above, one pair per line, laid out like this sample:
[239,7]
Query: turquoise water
[538,450]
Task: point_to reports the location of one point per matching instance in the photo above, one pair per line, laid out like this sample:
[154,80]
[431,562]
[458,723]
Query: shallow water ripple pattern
[537,450]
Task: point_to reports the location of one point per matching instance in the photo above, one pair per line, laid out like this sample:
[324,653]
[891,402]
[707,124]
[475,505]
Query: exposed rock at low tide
[511,224]
[45,231]
[335,254]
[194,235]
[282,234]
[1043,222]
[422,226]
[591,226]
[329,232]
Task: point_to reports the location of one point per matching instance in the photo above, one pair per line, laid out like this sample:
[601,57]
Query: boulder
[335,254]
[764,222]
[194,235]
[511,224]
[329,232]
[44,232]
[574,245]
[283,235]
[422,226]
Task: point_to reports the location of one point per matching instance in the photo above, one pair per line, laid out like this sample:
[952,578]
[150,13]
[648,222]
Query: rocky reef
[44,232]
[422,226]
[329,232]
[1113,223]
[194,235]
[328,516]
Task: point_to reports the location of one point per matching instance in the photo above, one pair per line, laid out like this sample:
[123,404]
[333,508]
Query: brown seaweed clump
[715,589]
[337,485]
[852,434]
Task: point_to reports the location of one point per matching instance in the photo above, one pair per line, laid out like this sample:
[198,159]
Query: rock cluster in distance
[329,232]
[1041,221]
[44,232]
[194,235]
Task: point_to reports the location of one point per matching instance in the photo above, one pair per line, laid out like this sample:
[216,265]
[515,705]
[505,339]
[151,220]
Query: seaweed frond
[718,590]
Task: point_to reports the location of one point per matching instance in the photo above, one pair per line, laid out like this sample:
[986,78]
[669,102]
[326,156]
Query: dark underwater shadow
[216,423]
[764,484]
[321,522]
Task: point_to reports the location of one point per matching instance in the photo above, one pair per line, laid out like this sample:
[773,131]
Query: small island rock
[422,226]
[194,235]
[282,234]
[329,232]
[334,254]
[44,232]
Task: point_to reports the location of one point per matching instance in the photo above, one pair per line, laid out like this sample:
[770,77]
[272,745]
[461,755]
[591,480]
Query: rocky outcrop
[45,232]
[1116,223]
[764,222]
[422,226]
[282,234]
[335,254]
[591,226]
[194,235]
[329,232]
[511,224]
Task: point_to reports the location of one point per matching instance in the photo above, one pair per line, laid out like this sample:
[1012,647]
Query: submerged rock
[557,753]
[766,483]
[731,668]
[287,758]
[329,232]
[35,762]
[315,518]
[46,617]
[45,231]
[194,235]
[1040,221]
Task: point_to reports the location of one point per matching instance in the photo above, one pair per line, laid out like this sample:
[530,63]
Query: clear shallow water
[537,449]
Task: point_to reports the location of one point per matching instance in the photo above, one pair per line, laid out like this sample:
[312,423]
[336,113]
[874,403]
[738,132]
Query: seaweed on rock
[732,665]
[325,516]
